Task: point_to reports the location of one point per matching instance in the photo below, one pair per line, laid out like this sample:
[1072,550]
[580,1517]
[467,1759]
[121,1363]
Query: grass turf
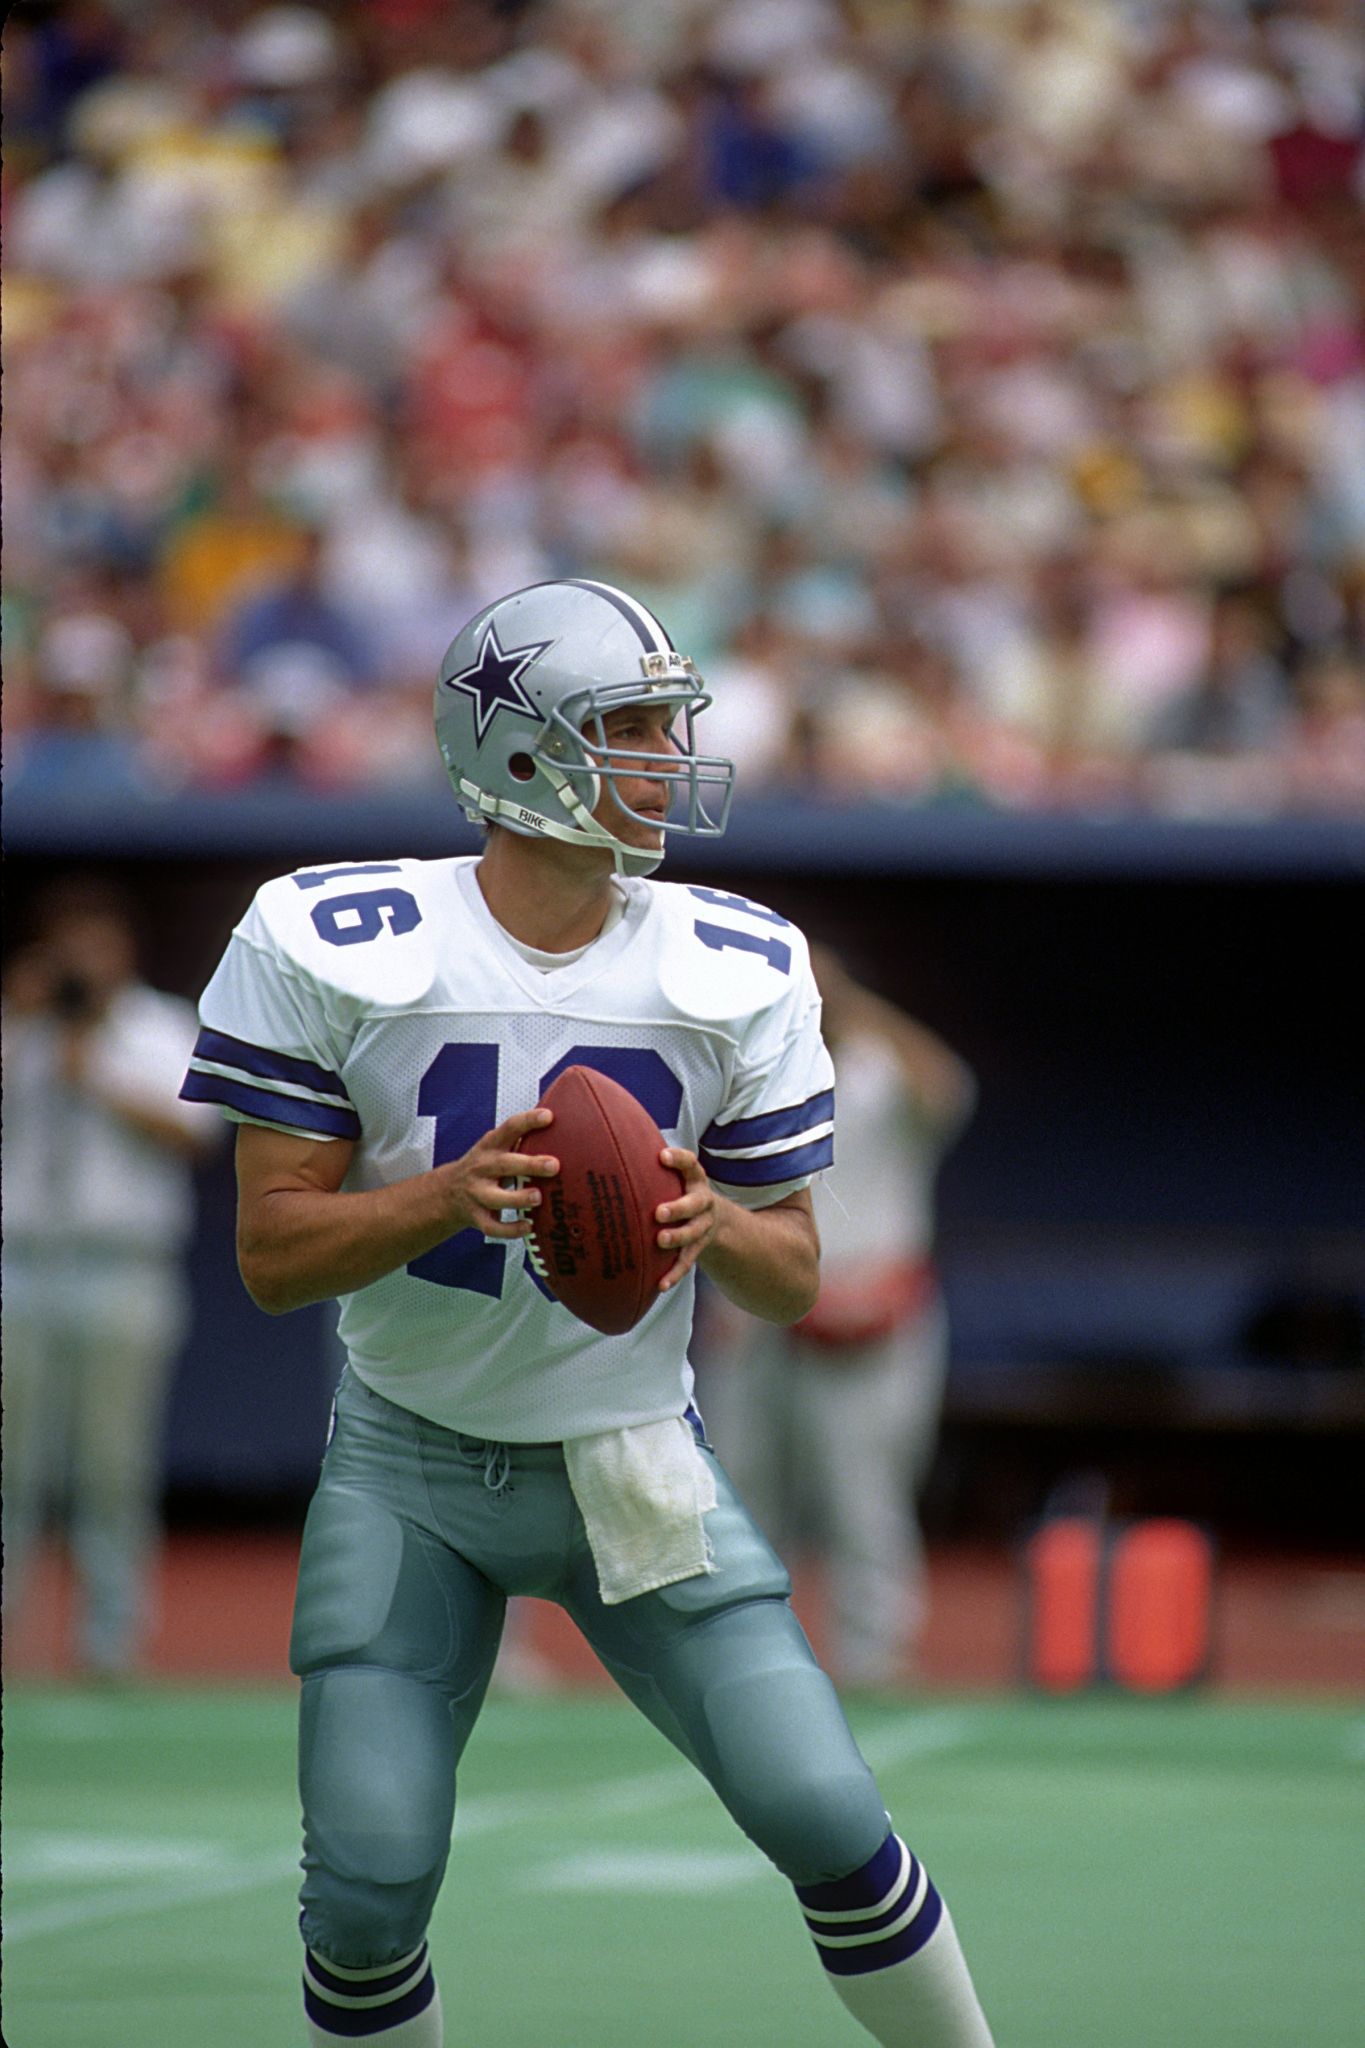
[1123,1873]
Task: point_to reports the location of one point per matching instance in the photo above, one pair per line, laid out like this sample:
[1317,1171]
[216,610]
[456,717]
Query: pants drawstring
[496,1460]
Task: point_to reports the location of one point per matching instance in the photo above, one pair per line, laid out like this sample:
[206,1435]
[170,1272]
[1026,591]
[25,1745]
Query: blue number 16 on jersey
[459,1090]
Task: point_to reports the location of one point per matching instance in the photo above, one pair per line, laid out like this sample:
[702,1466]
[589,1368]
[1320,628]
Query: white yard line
[648,1870]
[651,1870]
[97,1909]
[54,1855]
[486,1813]
[916,1734]
[910,1735]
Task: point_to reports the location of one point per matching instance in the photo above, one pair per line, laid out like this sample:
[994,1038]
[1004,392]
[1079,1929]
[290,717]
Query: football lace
[532,1250]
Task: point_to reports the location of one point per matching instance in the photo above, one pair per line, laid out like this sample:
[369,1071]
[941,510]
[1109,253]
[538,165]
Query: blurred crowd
[976,388]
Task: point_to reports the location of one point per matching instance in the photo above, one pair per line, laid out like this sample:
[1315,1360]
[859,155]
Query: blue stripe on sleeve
[328,1119]
[227,1051]
[775,1166]
[773,1123]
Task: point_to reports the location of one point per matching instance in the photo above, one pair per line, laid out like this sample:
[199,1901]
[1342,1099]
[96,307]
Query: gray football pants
[90,1336]
[410,1550]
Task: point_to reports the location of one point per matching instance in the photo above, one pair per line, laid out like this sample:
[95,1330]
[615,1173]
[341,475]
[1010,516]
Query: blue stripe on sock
[351,2025]
[365,1987]
[867,1886]
[872,1923]
[879,1955]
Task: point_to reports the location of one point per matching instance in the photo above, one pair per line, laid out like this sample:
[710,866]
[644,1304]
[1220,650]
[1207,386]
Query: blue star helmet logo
[494,680]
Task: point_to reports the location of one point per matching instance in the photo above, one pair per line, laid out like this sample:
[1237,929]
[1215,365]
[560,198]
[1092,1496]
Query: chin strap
[626,860]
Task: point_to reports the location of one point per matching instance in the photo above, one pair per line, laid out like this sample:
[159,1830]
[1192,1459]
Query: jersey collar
[580,968]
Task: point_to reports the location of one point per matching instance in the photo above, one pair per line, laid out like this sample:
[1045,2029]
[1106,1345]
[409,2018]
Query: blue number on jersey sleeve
[354,920]
[776,952]
[722,901]
[460,1090]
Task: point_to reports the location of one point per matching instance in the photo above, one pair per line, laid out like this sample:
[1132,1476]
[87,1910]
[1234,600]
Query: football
[594,1241]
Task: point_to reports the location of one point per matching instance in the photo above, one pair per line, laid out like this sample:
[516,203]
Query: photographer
[98,1203]
[829,1427]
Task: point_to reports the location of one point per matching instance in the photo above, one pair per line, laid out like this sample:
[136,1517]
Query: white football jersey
[382,1002]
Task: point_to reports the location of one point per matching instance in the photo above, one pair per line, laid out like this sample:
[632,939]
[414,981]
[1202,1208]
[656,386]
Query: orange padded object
[1063,1565]
[1160,1601]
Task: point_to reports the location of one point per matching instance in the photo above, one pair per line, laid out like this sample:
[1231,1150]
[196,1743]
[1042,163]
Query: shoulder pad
[726,957]
[363,927]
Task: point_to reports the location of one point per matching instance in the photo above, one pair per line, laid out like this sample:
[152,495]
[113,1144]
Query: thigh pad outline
[374,1589]
[377,1757]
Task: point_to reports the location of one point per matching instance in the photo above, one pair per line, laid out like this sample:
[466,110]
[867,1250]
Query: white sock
[892,1954]
[928,2001]
[394,2006]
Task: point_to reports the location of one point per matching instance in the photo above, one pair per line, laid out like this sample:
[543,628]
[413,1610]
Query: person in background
[98,1203]
[297,615]
[830,1426]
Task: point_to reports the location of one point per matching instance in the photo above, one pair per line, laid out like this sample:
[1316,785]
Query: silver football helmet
[522,694]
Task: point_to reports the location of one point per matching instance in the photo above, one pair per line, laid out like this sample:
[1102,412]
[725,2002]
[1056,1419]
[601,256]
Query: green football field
[1124,1874]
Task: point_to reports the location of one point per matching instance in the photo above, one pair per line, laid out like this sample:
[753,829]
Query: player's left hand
[690,1220]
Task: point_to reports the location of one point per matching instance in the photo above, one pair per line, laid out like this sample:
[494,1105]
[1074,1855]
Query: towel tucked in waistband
[642,1493]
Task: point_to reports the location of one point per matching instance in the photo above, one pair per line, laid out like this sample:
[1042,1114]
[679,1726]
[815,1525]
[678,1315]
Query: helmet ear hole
[522,767]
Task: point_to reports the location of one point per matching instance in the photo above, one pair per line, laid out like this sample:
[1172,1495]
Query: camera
[74,999]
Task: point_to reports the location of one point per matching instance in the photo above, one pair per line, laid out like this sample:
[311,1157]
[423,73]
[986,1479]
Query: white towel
[642,1493]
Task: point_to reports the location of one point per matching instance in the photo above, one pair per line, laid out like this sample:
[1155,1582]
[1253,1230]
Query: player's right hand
[478,1183]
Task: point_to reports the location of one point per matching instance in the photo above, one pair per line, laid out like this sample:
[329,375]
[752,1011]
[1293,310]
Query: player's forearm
[766,1261]
[299,1245]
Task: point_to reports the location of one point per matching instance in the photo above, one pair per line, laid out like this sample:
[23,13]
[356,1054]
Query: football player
[381,1031]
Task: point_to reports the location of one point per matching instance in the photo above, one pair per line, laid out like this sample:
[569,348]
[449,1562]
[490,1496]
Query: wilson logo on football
[564,1239]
